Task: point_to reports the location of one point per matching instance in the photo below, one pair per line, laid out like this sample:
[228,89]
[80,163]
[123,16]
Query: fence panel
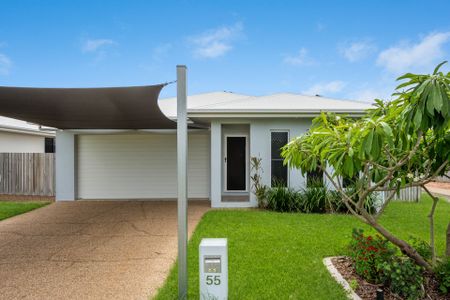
[27,174]
[407,194]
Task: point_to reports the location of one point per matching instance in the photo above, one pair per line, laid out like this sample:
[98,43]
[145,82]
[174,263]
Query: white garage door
[139,166]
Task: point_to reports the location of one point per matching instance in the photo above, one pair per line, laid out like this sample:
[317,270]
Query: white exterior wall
[21,143]
[216,164]
[139,166]
[65,166]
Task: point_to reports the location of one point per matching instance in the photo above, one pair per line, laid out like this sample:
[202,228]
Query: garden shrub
[442,272]
[376,261]
[422,247]
[368,252]
[335,202]
[283,199]
[315,199]
[403,276]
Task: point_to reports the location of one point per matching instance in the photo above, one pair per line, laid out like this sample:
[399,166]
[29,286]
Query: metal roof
[285,102]
[224,103]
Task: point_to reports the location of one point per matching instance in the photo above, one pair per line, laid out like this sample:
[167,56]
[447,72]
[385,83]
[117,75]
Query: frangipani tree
[401,143]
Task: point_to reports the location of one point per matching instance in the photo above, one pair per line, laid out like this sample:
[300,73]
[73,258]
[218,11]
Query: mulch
[368,291]
[25,198]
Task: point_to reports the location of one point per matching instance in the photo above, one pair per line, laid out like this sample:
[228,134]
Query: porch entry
[236,162]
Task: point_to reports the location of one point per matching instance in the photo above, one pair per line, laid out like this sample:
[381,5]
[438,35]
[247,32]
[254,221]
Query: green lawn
[10,209]
[279,255]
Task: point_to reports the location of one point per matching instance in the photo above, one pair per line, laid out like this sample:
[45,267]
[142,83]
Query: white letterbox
[213,269]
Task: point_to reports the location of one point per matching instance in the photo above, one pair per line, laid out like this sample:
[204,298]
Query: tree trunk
[447,252]
[432,243]
[431,217]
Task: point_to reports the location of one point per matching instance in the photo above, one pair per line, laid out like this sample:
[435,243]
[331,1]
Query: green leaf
[376,147]
[348,166]
[368,142]
[417,118]
[438,67]
[407,75]
[438,101]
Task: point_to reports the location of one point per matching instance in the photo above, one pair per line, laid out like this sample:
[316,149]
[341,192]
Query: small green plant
[442,272]
[354,284]
[368,252]
[403,276]
[258,188]
[422,247]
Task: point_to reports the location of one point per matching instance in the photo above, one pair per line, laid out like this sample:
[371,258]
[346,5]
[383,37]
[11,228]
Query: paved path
[440,189]
[90,249]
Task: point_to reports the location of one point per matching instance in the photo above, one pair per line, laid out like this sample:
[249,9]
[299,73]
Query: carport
[115,108]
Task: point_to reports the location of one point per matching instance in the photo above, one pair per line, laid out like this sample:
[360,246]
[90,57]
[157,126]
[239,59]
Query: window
[279,172]
[49,145]
[314,178]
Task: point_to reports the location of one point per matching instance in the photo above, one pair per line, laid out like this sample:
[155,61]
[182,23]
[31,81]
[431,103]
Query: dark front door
[235,163]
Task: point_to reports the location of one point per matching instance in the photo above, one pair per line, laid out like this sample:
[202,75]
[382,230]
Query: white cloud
[325,88]
[301,58]
[216,42]
[356,51]
[95,45]
[407,57]
[5,64]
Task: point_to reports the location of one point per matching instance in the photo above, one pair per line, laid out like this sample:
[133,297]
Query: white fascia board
[271,114]
[19,130]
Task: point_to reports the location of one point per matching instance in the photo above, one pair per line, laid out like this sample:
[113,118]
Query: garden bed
[368,291]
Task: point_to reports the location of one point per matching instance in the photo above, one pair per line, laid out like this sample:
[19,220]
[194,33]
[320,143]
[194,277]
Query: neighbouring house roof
[86,108]
[22,127]
[219,104]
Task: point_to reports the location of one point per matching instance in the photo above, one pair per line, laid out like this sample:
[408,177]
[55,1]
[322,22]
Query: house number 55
[213,280]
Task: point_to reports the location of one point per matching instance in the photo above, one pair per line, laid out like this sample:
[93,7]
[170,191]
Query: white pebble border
[338,277]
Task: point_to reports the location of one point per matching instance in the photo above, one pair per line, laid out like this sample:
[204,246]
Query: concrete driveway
[91,249]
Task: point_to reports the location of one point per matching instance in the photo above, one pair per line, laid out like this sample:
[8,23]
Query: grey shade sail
[86,108]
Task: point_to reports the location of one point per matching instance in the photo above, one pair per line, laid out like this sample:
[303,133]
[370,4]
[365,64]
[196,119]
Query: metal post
[182,148]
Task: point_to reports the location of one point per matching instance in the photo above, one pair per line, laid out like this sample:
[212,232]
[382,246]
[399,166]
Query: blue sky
[342,49]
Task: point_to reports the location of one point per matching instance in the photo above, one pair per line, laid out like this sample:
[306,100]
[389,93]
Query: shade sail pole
[182,148]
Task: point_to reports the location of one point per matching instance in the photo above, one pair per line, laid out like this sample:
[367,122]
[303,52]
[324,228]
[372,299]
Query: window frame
[270,155]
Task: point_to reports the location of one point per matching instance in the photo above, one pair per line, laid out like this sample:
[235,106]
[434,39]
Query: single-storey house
[118,164]
[120,143]
[21,137]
